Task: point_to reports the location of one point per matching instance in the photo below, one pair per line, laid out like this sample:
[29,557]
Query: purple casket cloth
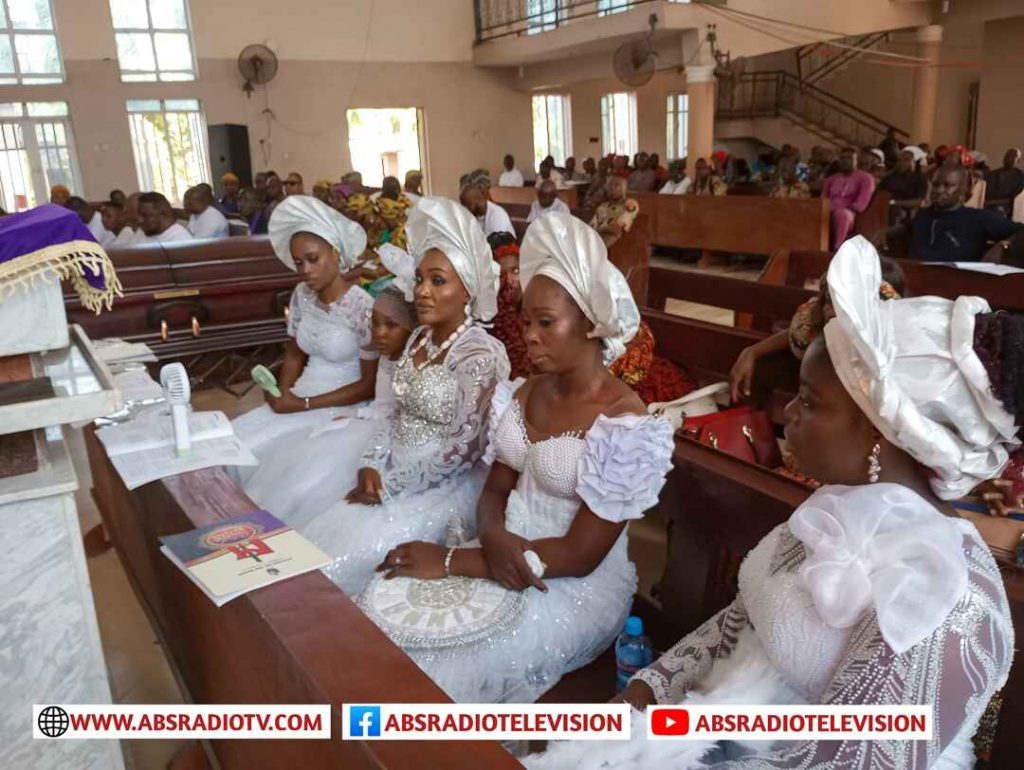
[38,228]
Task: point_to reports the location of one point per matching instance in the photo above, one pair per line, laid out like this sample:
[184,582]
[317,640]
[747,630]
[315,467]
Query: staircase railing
[777,93]
[817,61]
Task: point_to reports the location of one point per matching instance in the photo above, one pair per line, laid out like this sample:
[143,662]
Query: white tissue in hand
[537,567]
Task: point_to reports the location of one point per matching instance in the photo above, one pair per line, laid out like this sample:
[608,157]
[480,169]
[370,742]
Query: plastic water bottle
[633,652]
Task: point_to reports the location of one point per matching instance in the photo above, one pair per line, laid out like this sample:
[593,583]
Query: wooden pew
[875,218]
[735,225]
[758,306]
[1003,292]
[301,641]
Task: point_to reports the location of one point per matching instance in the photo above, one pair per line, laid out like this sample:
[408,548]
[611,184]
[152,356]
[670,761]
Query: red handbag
[741,432]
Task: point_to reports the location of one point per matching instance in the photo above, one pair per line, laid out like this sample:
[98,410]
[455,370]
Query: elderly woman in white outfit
[329,362]
[575,458]
[423,469]
[874,592]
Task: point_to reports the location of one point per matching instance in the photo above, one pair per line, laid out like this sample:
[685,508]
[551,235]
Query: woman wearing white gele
[329,361]
[575,459]
[874,592]
[423,467]
[303,484]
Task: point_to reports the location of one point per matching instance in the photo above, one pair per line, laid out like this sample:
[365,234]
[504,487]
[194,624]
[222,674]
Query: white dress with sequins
[867,595]
[429,455]
[618,470]
[335,339]
[300,486]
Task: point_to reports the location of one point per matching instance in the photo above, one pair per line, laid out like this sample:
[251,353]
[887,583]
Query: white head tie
[306,214]
[880,546]
[400,264]
[923,386]
[442,224]
[569,251]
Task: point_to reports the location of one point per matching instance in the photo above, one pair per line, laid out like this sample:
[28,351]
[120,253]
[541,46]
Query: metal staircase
[780,94]
[818,61]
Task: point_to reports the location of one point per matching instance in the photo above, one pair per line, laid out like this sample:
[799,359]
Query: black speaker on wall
[229,151]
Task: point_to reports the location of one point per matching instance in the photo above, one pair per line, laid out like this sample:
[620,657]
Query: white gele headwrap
[401,265]
[306,214]
[445,225]
[569,251]
[910,365]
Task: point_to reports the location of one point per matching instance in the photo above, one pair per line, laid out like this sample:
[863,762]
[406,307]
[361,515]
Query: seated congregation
[472,414]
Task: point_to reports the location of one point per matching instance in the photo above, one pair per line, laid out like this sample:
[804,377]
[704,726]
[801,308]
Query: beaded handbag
[435,614]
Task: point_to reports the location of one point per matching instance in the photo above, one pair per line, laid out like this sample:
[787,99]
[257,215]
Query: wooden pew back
[740,225]
[527,195]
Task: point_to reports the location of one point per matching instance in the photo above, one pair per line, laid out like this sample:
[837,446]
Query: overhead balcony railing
[817,61]
[505,18]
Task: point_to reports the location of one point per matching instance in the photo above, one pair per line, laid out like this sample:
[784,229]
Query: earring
[874,466]
[468,310]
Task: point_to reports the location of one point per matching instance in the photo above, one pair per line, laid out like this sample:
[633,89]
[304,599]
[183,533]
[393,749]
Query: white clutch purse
[436,614]
[695,404]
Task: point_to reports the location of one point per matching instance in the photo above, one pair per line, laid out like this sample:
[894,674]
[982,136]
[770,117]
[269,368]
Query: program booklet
[241,554]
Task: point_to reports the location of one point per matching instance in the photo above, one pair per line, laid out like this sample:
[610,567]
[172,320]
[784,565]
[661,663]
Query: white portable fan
[178,392]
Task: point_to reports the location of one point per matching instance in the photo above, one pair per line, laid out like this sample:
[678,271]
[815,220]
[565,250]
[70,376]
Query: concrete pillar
[700,119]
[926,85]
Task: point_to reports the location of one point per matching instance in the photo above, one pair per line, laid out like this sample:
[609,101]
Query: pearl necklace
[434,353]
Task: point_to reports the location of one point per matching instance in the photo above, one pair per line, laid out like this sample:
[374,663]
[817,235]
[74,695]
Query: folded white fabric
[881,547]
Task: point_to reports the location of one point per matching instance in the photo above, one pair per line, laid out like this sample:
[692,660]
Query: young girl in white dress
[325,466]
[874,592]
[575,459]
[330,361]
[423,467]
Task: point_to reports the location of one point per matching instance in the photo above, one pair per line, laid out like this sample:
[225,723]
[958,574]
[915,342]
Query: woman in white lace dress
[423,468]
[873,592]
[329,361]
[575,458]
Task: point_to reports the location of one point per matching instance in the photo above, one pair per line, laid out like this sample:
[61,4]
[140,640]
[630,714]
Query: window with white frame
[154,40]
[541,15]
[552,128]
[608,7]
[618,123]
[29,54]
[37,151]
[678,107]
[170,145]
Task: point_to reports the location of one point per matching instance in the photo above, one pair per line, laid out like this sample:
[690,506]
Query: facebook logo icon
[364,721]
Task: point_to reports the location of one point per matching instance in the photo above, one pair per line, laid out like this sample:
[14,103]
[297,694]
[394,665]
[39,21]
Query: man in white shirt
[678,182]
[548,171]
[547,201]
[205,220]
[492,217]
[511,176]
[156,220]
[115,221]
[92,219]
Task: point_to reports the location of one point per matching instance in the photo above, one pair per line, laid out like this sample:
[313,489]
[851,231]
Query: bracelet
[448,561]
[307,404]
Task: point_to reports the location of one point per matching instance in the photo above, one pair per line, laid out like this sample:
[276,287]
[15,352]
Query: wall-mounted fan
[728,71]
[634,61]
[258,65]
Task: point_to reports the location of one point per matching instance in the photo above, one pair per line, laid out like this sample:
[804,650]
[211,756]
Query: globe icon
[53,721]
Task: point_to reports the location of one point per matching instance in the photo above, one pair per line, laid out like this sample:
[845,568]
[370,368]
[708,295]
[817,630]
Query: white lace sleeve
[478,362]
[623,465]
[957,669]
[504,392]
[672,675]
[295,310]
[362,308]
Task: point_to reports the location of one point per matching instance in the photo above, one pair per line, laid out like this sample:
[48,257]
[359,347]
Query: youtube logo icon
[669,721]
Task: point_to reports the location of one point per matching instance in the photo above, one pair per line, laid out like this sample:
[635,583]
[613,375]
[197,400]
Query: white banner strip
[807,723]
[78,721]
[475,721]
